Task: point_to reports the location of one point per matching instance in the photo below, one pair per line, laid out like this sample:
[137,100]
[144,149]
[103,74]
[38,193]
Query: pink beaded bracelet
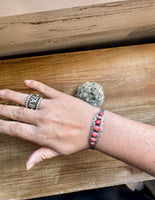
[96,128]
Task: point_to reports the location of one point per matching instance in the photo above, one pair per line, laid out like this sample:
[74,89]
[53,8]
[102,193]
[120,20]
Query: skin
[61,127]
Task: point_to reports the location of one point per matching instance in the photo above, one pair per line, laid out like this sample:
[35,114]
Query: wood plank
[127,75]
[77,27]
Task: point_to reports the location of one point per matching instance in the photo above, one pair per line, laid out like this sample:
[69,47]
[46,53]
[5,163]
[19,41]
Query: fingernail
[29,166]
[27,81]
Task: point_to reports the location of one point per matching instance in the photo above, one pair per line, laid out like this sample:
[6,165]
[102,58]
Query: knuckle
[43,87]
[46,88]
[43,118]
[59,135]
[38,85]
[18,113]
[14,129]
[8,93]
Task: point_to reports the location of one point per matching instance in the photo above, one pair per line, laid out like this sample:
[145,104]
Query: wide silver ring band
[33,101]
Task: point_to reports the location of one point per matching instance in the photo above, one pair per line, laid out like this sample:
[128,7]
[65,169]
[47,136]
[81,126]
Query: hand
[61,125]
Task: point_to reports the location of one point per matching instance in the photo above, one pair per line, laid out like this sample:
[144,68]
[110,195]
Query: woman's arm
[62,125]
[129,141]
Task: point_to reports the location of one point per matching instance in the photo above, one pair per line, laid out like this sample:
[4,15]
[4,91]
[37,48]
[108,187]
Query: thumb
[40,155]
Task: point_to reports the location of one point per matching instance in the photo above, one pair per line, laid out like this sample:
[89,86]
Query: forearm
[129,141]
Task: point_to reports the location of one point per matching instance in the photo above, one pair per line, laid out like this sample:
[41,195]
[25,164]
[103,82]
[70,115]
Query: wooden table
[127,75]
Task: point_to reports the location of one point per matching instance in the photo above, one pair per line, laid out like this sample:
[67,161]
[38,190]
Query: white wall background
[17,7]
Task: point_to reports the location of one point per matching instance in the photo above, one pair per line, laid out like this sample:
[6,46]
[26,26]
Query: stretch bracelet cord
[96,128]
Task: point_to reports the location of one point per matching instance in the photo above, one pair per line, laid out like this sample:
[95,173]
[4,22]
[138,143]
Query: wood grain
[77,27]
[127,75]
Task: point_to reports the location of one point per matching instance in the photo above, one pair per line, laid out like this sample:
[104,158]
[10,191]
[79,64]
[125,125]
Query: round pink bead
[98,122]
[92,143]
[96,128]
[99,117]
[94,134]
[93,139]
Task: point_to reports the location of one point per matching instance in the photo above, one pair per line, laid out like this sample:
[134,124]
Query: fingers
[13,96]
[40,155]
[18,113]
[17,97]
[44,89]
[20,98]
[18,129]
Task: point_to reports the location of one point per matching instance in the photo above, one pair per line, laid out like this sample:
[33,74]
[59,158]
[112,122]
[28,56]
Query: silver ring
[33,101]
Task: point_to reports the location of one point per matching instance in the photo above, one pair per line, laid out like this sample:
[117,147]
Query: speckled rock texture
[92,93]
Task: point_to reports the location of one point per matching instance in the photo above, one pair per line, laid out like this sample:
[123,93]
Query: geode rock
[92,93]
